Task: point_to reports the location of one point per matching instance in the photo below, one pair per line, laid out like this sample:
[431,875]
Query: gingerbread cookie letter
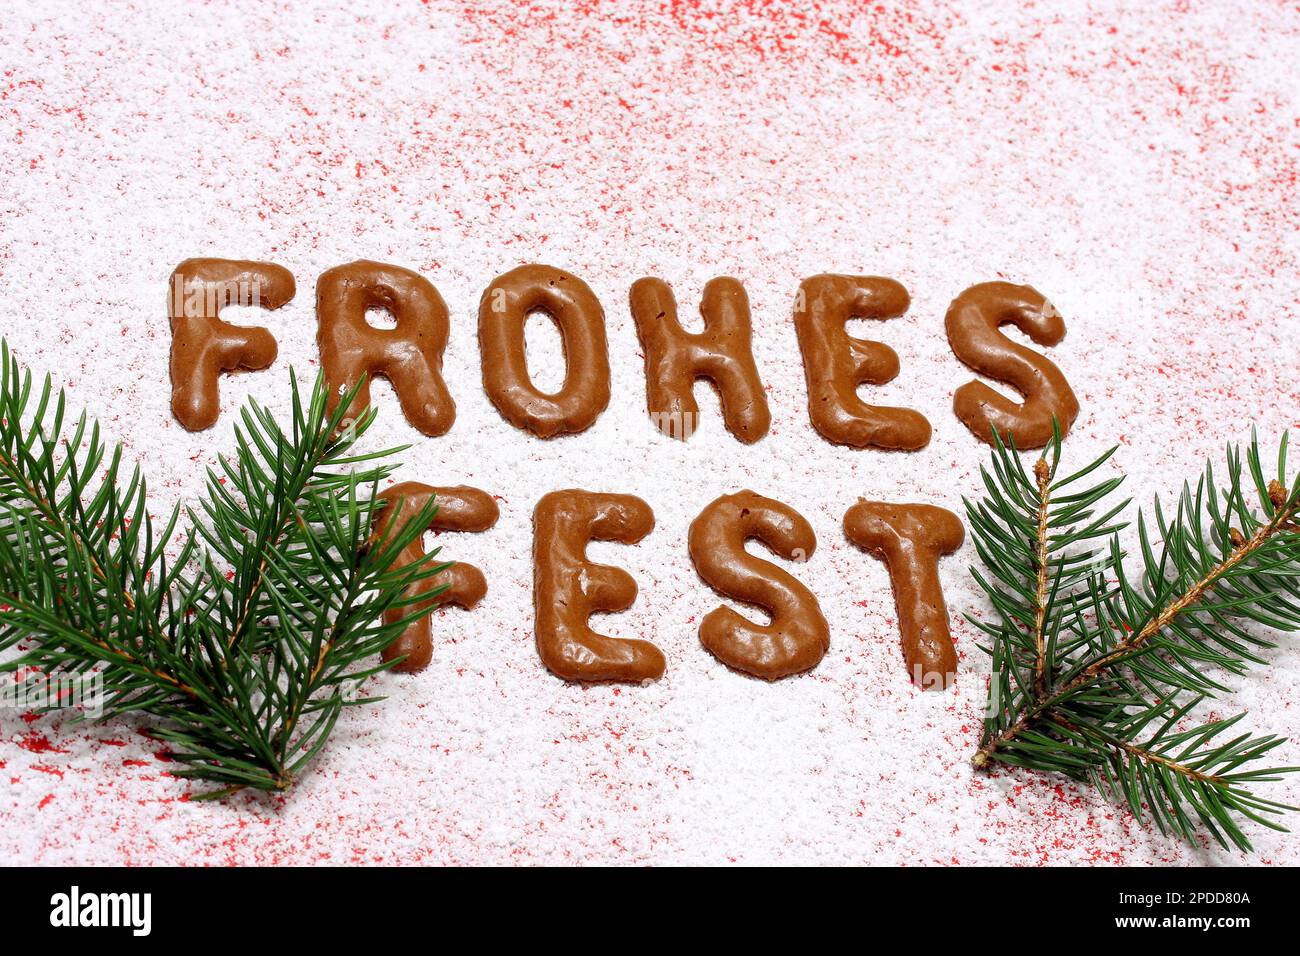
[203,346]
[798,636]
[835,364]
[675,358]
[501,316]
[568,587]
[459,509]
[408,355]
[972,322]
[910,540]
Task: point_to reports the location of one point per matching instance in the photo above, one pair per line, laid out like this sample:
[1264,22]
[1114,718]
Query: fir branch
[245,637]
[1095,675]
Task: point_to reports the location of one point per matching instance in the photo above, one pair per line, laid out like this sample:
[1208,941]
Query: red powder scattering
[39,744]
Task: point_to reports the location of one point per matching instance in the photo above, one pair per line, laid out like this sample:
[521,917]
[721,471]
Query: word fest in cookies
[568,587]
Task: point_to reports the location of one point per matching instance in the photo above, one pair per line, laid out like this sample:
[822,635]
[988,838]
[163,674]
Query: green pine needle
[243,638]
[1100,658]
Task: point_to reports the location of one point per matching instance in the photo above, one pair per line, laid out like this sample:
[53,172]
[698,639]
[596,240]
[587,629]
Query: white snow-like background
[1137,163]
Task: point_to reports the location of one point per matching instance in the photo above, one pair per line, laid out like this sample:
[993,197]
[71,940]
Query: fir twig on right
[1098,670]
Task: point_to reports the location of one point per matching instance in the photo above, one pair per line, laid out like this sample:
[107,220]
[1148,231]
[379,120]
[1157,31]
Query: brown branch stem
[1143,754]
[1043,475]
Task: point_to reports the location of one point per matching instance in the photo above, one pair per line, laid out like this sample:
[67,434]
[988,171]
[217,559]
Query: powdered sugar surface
[1136,163]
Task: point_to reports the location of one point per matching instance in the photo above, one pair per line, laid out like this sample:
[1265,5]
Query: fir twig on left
[243,634]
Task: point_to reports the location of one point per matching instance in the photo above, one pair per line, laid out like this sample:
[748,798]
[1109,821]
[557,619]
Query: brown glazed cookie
[910,539]
[798,636]
[835,363]
[409,355]
[459,509]
[972,323]
[722,353]
[204,346]
[568,588]
[502,314]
